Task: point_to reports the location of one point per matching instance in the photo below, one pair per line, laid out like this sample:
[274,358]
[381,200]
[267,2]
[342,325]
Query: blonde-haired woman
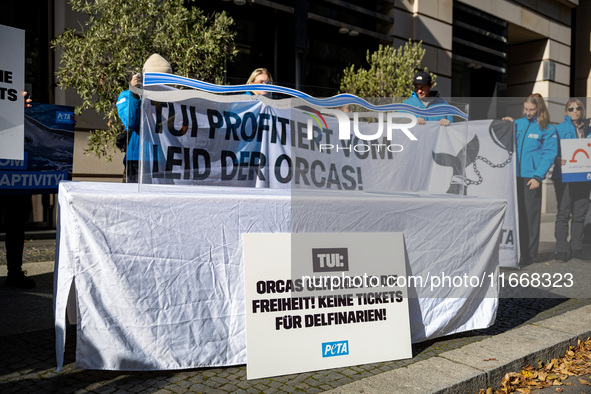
[260,76]
[535,149]
[572,198]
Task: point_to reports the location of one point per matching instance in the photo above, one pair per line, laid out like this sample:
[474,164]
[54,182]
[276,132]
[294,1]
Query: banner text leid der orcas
[330,259]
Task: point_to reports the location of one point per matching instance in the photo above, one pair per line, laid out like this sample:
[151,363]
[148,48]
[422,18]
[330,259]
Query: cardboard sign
[328,318]
[12,83]
[577,154]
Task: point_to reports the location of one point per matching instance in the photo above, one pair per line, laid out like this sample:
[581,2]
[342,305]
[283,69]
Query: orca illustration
[470,151]
[502,133]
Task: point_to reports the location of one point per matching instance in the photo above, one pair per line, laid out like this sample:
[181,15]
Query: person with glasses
[260,76]
[535,140]
[572,198]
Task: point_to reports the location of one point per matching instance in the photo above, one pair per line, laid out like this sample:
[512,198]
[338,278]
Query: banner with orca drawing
[202,138]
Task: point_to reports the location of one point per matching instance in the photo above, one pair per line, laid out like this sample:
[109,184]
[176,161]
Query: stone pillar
[430,22]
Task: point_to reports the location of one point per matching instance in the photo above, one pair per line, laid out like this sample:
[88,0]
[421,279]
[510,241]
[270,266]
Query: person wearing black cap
[423,97]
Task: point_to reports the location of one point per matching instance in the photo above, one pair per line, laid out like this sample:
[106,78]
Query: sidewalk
[526,330]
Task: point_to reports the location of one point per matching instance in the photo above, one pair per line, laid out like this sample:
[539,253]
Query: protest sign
[12,83]
[576,165]
[48,152]
[348,309]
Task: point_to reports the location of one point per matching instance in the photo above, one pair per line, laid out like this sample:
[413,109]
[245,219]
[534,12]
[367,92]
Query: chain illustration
[485,160]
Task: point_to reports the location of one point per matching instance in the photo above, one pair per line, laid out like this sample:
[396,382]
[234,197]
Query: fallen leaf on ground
[575,362]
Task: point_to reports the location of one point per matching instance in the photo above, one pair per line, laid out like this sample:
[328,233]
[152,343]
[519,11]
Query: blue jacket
[128,108]
[536,149]
[565,131]
[416,102]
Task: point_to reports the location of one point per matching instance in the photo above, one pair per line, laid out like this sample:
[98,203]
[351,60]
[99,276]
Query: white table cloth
[159,273]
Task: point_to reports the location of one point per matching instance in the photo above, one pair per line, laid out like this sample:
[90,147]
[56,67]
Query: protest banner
[12,83]
[241,141]
[48,152]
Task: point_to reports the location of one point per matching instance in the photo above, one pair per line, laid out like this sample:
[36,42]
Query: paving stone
[105,390]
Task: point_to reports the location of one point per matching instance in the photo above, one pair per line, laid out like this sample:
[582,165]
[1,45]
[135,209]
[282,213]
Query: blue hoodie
[566,130]
[536,149]
[128,108]
[415,101]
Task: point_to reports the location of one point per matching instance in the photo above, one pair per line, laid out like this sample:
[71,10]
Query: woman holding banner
[260,76]
[572,198]
[128,109]
[535,141]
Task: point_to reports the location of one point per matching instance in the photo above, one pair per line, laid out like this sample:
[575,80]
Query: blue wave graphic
[330,102]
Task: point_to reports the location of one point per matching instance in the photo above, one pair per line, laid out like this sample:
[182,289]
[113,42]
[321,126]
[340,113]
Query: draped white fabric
[159,273]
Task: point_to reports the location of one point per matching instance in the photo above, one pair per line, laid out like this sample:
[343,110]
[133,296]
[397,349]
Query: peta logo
[64,117]
[330,259]
[332,349]
[533,136]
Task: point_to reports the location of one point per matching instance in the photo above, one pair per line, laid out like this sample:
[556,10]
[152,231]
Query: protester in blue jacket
[423,97]
[572,198]
[128,108]
[536,148]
